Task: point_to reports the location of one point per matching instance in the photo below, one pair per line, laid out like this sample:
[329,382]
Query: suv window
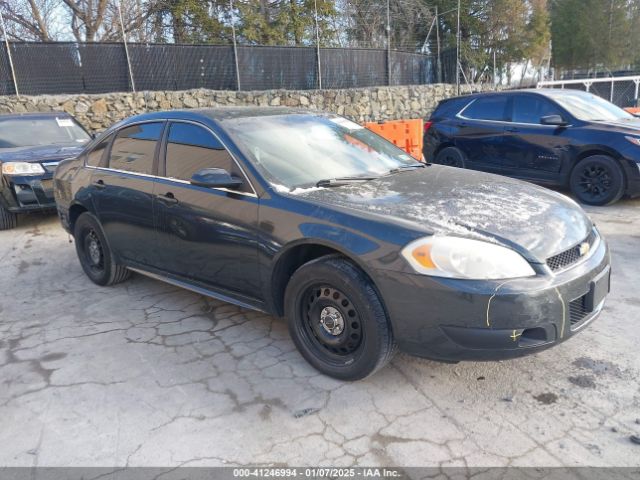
[487,108]
[134,148]
[191,148]
[95,158]
[529,109]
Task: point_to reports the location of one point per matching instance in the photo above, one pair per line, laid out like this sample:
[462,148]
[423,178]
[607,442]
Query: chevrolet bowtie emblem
[584,248]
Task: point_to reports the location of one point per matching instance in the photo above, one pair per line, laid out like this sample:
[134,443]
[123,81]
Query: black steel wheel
[337,320]
[331,321]
[451,157]
[94,254]
[597,180]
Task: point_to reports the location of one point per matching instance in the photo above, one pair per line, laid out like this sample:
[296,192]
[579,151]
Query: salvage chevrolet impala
[361,248]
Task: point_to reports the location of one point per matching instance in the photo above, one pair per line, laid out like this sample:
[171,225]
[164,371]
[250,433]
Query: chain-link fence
[621,91]
[71,67]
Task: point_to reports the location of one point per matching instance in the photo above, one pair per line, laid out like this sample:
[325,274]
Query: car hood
[535,221]
[631,126]
[40,153]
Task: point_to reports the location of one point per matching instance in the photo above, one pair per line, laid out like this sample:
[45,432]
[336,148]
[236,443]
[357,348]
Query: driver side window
[191,148]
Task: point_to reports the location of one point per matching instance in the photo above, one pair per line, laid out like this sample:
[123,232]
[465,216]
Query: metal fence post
[439,61]
[235,45]
[613,83]
[126,49]
[315,6]
[13,70]
[389,42]
[458,53]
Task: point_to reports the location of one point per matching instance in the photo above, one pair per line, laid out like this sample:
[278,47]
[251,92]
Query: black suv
[31,146]
[564,138]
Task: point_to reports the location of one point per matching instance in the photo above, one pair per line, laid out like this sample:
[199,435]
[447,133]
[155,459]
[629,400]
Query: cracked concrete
[146,374]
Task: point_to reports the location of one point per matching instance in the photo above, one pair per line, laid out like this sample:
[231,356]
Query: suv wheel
[94,254]
[597,180]
[8,220]
[336,319]
[451,157]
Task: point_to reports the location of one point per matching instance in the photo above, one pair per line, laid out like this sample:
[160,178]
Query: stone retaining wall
[98,112]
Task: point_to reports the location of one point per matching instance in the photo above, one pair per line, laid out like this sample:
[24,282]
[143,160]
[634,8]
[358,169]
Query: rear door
[533,150]
[481,126]
[206,235]
[122,192]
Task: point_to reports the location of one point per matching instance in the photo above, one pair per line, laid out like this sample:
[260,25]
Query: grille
[577,311]
[570,256]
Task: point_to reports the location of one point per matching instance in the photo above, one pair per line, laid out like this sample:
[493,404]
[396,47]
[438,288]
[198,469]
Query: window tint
[134,148]
[487,108]
[96,156]
[529,109]
[191,148]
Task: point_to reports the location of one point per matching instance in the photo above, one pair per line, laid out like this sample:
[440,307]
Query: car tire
[94,254]
[8,220]
[451,157]
[597,180]
[337,320]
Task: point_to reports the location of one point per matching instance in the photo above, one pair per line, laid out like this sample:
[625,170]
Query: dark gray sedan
[309,216]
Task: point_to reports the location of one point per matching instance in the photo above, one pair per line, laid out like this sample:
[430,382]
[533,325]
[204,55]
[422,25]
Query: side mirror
[555,120]
[215,178]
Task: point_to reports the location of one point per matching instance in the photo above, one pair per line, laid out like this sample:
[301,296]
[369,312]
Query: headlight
[634,140]
[22,168]
[457,257]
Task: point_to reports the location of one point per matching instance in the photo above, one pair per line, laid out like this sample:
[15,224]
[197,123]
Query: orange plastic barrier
[633,111]
[406,134]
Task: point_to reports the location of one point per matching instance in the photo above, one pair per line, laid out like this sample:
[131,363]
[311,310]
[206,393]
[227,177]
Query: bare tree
[136,17]
[87,17]
[30,19]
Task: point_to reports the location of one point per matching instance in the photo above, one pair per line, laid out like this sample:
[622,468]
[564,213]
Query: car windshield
[30,132]
[589,107]
[299,150]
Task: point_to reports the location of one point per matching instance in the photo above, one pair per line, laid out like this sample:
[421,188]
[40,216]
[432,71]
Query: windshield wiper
[404,168]
[336,182]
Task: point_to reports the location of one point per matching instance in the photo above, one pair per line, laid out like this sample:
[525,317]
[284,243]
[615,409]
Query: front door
[533,150]
[122,192]
[205,235]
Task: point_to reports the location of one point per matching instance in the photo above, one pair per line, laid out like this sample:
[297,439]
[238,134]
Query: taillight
[427,126]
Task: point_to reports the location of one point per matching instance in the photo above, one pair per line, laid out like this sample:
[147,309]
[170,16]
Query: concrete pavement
[145,374]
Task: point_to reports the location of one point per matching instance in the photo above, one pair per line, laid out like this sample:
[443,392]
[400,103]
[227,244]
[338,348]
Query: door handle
[99,184]
[168,198]
[512,129]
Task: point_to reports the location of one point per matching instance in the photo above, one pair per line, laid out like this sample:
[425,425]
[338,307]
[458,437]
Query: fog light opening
[533,336]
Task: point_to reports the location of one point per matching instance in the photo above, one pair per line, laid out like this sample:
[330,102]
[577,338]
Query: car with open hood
[31,146]
[563,138]
[364,250]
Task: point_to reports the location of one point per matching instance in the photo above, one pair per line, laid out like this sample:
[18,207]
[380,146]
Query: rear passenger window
[134,148]
[95,158]
[191,148]
[487,108]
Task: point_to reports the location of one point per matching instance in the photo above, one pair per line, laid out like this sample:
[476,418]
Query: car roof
[546,92]
[4,116]
[219,113]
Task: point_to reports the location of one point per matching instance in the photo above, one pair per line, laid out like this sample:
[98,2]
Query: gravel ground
[145,374]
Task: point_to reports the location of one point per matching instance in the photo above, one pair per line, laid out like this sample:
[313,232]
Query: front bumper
[20,194]
[453,320]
